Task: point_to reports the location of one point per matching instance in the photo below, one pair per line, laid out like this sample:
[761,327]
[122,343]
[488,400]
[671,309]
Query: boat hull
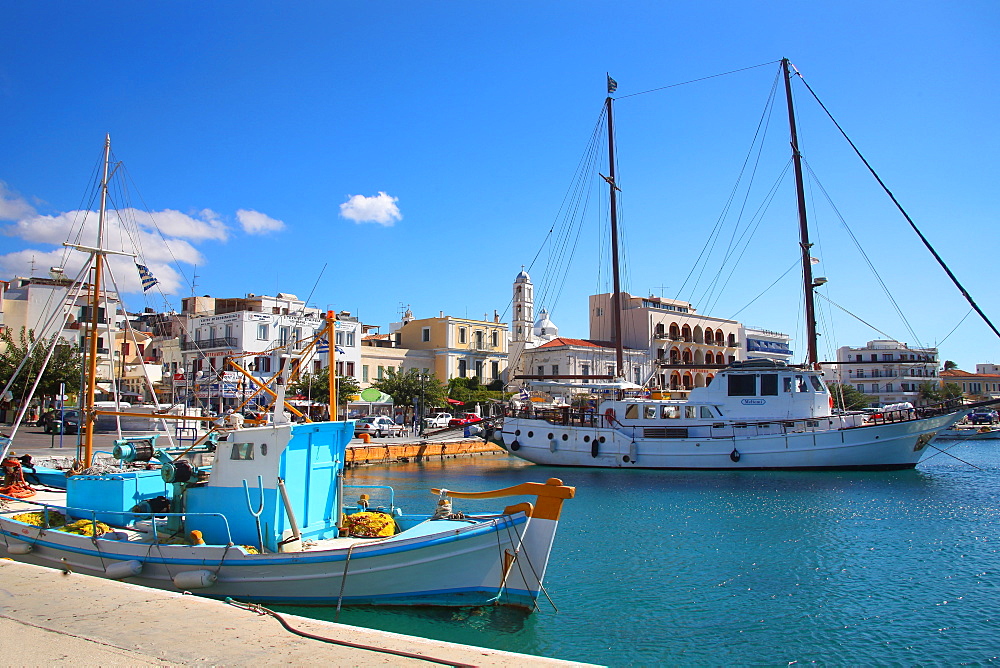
[457,564]
[897,445]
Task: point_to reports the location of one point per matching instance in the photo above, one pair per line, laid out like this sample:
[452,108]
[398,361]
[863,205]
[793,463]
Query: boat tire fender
[594,448]
[515,445]
[735,455]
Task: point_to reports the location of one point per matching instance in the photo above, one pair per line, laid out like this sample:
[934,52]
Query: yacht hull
[897,445]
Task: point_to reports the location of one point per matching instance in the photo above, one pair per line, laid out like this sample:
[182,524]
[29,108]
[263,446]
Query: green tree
[411,384]
[65,365]
[472,391]
[316,385]
[849,398]
[932,393]
[949,365]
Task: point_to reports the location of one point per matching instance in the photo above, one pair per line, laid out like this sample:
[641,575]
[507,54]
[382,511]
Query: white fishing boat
[757,414]
[270,520]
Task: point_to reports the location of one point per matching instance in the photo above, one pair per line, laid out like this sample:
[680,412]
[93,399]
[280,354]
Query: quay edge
[93,621]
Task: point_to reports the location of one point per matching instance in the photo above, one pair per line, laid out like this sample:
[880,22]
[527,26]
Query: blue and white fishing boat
[270,524]
[270,520]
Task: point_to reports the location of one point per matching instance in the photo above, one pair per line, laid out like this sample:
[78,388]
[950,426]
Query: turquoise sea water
[761,568]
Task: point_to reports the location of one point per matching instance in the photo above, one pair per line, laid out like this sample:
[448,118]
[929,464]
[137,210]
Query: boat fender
[831,401]
[553,444]
[123,569]
[19,548]
[735,455]
[594,448]
[633,452]
[194,579]
[515,446]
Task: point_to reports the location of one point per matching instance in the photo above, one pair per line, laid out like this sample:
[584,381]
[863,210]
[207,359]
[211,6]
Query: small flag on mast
[146,276]
[612,85]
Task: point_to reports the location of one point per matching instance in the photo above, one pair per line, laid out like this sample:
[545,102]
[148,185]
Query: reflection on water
[697,567]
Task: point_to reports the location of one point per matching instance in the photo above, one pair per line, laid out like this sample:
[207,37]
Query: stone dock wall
[389,453]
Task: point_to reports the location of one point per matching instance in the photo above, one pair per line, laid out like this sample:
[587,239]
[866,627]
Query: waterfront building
[37,302]
[756,343]
[381,352]
[460,347]
[982,385]
[890,371]
[686,347]
[257,330]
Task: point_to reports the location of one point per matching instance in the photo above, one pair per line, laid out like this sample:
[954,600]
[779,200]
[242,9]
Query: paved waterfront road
[31,440]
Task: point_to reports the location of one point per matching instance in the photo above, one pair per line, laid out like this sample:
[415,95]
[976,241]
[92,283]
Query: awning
[455,401]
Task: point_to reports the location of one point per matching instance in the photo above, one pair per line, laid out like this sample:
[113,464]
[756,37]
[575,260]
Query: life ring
[735,455]
[610,416]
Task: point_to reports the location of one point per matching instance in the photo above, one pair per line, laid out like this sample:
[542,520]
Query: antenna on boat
[807,279]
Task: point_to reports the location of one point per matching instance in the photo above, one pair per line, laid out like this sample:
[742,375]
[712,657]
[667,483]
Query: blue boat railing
[392,494]
[80,513]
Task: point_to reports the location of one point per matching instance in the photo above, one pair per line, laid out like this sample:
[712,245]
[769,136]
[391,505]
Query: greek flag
[612,85]
[524,395]
[340,351]
[146,276]
[323,346]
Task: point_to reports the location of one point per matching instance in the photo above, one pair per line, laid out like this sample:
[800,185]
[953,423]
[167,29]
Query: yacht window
[787,384]
[649,412]
[691,412]
[768,384]
[816,383]
[631,412]
[668,412]
[706,412]
[800,384]
[742,385]
[242,451]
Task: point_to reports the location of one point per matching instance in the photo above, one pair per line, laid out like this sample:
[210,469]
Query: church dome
[544,328]
[523,277]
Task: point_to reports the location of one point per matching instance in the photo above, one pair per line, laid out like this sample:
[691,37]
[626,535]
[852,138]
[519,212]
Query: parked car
[463,419]
[378,427]
[438,421]
[67,421]
[983,417]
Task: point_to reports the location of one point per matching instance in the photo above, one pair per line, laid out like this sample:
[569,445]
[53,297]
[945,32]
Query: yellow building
[462,347]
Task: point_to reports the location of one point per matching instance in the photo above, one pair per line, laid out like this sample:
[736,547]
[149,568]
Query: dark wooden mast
[616,296]
[807,278]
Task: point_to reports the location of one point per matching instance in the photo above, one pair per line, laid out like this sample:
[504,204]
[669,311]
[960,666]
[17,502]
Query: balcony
[209,344]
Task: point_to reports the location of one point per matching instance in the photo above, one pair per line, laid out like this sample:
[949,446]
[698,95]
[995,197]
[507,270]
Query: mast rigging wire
[927,244]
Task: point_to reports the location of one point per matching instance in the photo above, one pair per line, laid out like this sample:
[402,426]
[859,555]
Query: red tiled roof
[585,343]
[958,373]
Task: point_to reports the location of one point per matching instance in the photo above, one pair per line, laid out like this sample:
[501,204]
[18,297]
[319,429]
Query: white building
[890,371]
[758,343]
[256,331]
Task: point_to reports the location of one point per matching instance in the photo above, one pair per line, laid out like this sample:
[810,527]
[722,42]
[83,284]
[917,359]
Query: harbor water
[745,568]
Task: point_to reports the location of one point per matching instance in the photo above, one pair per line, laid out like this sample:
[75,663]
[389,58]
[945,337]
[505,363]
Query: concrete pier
[50,617]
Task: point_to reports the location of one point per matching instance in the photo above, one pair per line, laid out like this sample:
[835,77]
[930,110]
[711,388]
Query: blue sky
[423,150]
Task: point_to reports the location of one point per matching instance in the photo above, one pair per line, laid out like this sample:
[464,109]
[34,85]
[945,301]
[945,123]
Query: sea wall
[388,453]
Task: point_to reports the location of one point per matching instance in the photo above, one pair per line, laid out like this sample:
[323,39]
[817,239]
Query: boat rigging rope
[261,610]
[941,451]
[899,206]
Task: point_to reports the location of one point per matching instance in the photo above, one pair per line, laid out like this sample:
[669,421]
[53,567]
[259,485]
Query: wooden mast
[89,415]
[616,297]
[807,278]
[331,333]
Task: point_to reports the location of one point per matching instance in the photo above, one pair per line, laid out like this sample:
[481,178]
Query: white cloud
[380,209]
[255,222]
[12,205]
